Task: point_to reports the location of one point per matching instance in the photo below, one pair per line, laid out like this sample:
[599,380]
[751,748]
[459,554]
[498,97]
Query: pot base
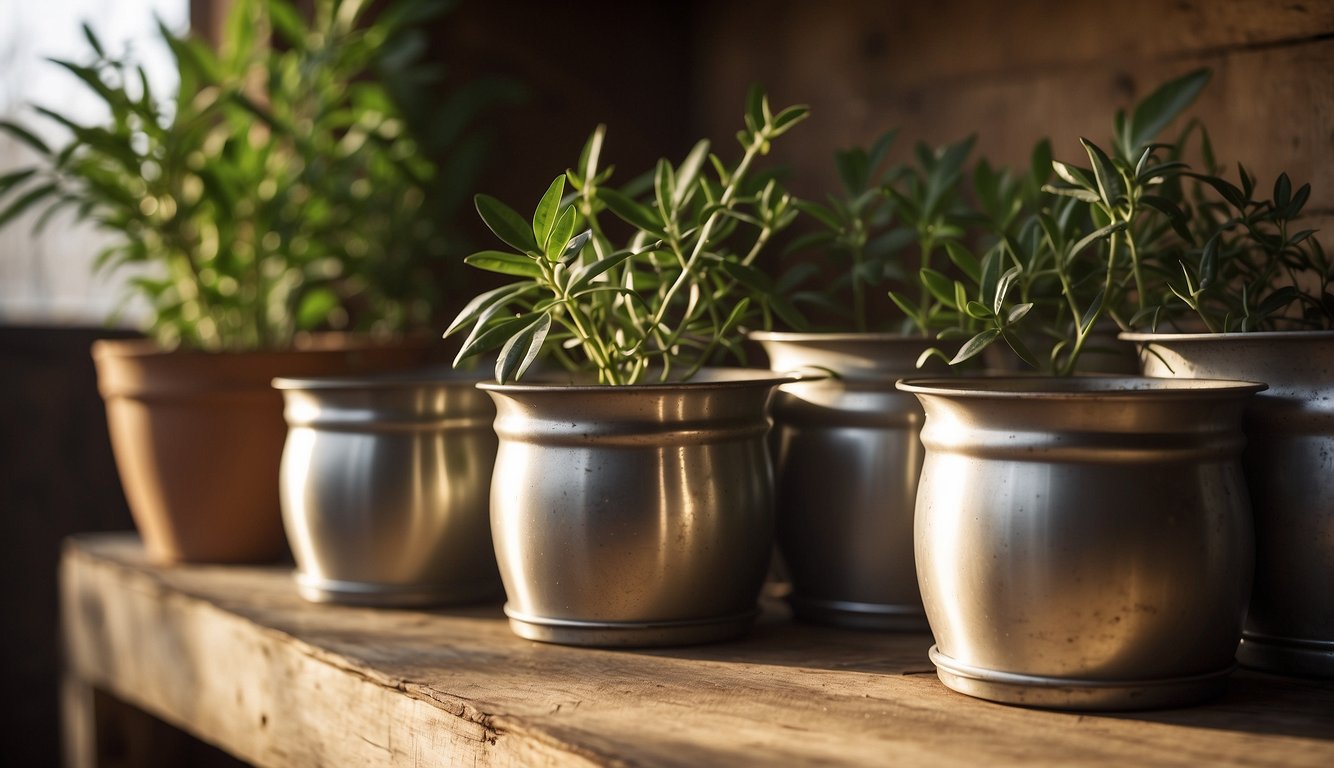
[853,615]
[1076,694]
[630,634]
[1286,656]
[372,595]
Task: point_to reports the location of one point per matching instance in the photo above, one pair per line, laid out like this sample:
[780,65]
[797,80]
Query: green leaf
[750,277]
[974,346]
[484,302]
[506,224]
[1095,235]
[487,335]
[25,136]
[505,263]
[1161,107]
[964,260]
[1282,191]
[631,212]
[689,172]
[1018,312]
[546,213]
[522,348]
[586,274]
[755,108]
[785,120]
[1075,175]
[14,179]
[315,307]
[1093,312]
[978,311]
[1017,345]
[24,202]
[576,244]
[939,286]
[1104,171]
[561,233]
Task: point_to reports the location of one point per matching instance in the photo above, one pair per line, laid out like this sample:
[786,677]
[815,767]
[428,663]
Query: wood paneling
[1015,72]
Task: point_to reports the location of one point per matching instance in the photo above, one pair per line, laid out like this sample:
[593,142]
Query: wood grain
[1015,72]
[235,657]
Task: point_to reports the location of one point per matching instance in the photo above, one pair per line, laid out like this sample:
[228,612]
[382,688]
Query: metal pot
[633,515]
[1084,543]
[384,487]
[1289,462]
[846,467]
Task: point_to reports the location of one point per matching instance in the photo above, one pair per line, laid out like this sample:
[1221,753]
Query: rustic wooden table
[233,656]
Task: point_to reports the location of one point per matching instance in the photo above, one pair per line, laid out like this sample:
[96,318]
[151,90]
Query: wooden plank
[1004,74]
[234,656]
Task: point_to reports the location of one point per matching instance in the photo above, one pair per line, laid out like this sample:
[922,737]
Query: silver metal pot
[1083,543]
[846,467]
[635,515]
[384,488]
[1289,462]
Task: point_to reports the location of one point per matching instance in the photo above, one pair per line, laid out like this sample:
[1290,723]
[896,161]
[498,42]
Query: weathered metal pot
[385,485]
[636,515]
[846,467]
[1084,543]
[1289,462]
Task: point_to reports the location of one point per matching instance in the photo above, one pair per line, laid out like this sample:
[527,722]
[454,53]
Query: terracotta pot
[198,437]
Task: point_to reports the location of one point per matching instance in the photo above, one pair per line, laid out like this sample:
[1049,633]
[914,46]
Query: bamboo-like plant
[278,189]
[660,306]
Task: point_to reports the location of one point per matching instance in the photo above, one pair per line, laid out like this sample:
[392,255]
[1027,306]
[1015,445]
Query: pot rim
[404,379]
[713,379]
[323,341]
[1145,336]
[837,336]
[1077,387]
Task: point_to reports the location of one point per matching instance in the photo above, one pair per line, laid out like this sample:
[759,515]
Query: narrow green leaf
[939,286]
[315,308]
[631,212]
[504,263]
[1104,172]
[521,349]
[688,172]
[1018,312]
[14,179]
[978,311]
[1282,191]
[1161,107]
[1094,236]
[561,233]
[1017,345]
[506,224]
[25,136]
[24,202]
[586,274]
[486,335]
[974,346]
[750,277]
[1093,312]
[546,213]
[576,245]
[785,120]
[964,260]
[483,302]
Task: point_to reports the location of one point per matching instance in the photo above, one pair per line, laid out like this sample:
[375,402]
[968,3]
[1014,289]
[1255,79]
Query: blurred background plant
[303,176]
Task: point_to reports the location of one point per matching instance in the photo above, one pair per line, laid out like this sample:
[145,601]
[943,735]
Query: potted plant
[1256,289]
[1083,542]
[847,446]
[274,194]
[631,501]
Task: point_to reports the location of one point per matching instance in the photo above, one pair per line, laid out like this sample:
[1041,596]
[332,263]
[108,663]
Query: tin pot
[846,467]
[1289,462]
[1084,543]
[633,515]
[385,487]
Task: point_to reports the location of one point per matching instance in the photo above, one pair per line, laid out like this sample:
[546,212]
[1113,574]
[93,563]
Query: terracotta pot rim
[334,341]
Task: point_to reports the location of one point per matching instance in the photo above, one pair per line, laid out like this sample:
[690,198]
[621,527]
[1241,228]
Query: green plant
[1255,269]
[279,189]
[1089,250]
[664,303]
[888,218]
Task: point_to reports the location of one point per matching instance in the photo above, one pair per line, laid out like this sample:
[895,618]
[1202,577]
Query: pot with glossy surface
[385,488]
[846,466]
[1083,543]
[1289,462]
[636,515]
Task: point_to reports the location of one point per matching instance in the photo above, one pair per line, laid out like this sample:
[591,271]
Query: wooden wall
[1015,71]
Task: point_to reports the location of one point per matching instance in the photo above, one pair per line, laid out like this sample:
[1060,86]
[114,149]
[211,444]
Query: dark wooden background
[662,73]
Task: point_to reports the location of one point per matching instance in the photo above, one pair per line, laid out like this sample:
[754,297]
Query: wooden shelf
[233,656]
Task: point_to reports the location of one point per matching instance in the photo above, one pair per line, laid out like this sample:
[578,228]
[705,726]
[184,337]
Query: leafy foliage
[1130,239]
[663,304]
[280,188]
